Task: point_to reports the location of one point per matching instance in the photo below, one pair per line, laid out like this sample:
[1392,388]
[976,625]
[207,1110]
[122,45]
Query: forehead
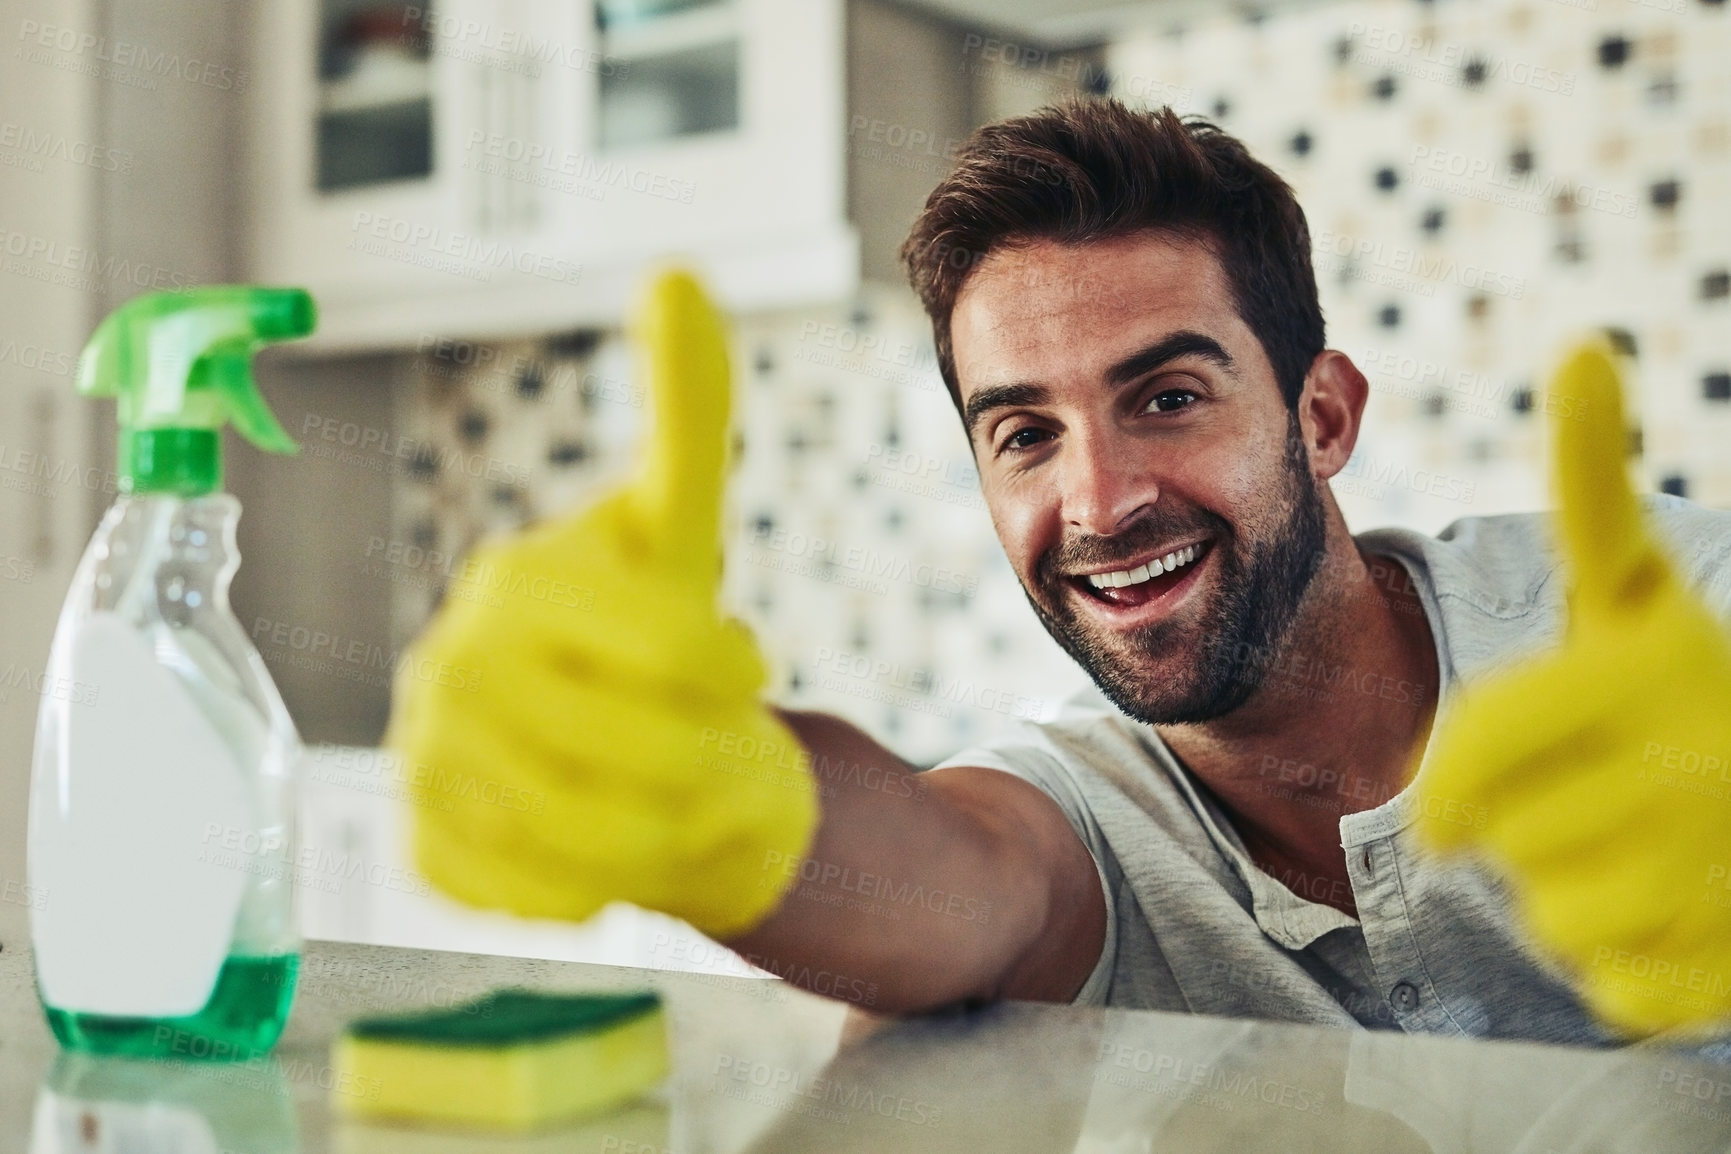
[1046,310]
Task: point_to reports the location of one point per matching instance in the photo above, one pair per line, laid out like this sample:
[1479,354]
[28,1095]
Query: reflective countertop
[761,1067]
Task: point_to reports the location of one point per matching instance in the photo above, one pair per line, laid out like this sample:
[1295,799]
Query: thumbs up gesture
[613,746]
[1615,870]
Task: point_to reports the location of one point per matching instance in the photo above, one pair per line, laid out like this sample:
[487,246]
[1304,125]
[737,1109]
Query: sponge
[514,1060]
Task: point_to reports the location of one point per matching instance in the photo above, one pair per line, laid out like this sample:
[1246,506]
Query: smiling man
[1126,316]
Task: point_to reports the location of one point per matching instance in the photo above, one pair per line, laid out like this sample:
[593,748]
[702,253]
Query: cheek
[1244,480]
[1027,521]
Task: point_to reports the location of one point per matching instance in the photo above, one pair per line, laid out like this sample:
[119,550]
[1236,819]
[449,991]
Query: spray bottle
[161,795]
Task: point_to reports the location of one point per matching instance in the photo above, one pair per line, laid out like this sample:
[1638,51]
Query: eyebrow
[1184,343]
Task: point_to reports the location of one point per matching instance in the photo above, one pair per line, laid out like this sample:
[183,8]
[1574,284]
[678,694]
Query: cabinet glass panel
[375,110]
[624,13]
[672,71]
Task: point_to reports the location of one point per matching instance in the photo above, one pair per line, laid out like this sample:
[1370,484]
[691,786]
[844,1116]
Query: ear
[1330,409]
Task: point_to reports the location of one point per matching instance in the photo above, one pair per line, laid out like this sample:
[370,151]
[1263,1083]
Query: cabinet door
[720,134]
[369,142]
[497,167]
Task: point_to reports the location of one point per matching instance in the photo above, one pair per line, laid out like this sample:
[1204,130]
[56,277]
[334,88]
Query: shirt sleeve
[1041,770]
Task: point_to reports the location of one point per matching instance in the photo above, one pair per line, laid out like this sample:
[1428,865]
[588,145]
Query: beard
[1259,586]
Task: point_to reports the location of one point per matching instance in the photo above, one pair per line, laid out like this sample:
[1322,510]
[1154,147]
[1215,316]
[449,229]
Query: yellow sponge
[513,1060]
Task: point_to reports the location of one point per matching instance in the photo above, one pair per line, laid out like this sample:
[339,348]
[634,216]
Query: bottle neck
[183,548]
[184,462]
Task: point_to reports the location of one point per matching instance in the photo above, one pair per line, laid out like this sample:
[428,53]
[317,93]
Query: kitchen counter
[762,1067]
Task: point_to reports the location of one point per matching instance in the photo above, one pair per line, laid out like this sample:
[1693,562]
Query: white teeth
[1122,577]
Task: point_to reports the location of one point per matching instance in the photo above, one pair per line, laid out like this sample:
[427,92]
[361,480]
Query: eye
[1170,400]
[1025,438]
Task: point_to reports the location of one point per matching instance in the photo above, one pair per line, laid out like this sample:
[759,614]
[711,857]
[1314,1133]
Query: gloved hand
[610,691]
[1574,756]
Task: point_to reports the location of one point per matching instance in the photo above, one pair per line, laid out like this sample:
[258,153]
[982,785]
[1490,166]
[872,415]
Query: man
[1126,317]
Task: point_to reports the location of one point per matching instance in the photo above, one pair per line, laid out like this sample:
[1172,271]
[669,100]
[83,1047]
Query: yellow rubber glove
[1614,869]
[607,740]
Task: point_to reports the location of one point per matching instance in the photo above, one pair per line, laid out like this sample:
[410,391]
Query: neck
[1334,728]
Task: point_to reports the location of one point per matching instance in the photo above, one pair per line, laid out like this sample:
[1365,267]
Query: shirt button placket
[1383,915]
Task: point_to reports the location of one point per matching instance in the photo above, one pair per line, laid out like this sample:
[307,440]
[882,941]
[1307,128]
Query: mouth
[1158,580]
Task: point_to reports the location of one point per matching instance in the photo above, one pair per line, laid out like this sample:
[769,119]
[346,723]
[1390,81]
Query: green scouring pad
[513,1060]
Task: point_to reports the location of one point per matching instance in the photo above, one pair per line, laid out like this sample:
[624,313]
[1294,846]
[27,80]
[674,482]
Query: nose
[1106,481]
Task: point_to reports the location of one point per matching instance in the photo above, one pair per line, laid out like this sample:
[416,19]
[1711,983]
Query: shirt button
[1404,996]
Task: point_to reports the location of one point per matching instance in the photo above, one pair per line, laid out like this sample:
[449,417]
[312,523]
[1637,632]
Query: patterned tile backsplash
[859,548]
[1483,179]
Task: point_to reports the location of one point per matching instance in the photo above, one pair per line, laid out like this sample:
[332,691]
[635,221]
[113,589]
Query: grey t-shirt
[1192,923]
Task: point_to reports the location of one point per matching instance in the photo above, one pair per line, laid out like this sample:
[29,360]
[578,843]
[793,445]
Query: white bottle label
[143,844]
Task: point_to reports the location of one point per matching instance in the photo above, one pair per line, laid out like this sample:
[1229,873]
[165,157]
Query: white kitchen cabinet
[356,881]
[497,167]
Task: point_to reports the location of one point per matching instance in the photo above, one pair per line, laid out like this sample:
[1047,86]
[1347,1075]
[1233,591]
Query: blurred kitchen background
[473,189]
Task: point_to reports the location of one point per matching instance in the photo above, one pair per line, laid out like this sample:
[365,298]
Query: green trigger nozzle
[180,366]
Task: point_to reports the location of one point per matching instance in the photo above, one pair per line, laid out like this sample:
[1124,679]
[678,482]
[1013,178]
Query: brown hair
[1095,169]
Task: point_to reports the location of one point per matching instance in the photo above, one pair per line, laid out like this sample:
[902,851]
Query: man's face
[1122,414]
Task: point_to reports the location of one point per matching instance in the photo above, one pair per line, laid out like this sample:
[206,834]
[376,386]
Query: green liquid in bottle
[245,1015]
